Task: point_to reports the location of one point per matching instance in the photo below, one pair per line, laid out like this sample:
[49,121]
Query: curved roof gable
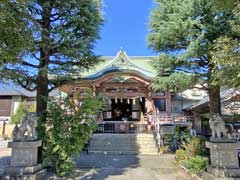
[120,63]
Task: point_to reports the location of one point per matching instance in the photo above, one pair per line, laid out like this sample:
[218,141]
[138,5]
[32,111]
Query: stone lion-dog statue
[27,130]
[217,125]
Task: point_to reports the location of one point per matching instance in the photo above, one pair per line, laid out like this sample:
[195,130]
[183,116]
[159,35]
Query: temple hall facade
[125,83]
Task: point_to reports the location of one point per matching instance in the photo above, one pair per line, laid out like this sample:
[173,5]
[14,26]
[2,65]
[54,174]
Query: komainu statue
[27,130]
[217,125]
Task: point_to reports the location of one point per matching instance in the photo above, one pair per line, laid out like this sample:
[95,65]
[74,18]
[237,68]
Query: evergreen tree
[13,34]
[62,34]
[185,32]
[226,51]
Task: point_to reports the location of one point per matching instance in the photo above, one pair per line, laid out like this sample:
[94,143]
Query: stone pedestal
[24,160]
[225,161]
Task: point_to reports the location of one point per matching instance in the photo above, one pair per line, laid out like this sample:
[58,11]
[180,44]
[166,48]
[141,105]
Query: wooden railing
[122,127]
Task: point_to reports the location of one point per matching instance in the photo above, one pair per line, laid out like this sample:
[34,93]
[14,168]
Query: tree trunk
[42,79]
[214,99]
[42,91]
[42,97]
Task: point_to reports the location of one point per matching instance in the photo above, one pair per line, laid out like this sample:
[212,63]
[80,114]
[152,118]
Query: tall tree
[185,31]
[63,34]
[13,34]
[226,51]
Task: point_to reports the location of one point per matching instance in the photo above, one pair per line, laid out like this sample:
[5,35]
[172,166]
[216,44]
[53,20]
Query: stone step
[122,136]
[97,144]
[126,148]
[117,141]
[124,152]
[122,144]
[124,139]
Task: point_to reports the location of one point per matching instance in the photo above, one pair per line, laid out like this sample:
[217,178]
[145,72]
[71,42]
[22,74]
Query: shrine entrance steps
[108,143]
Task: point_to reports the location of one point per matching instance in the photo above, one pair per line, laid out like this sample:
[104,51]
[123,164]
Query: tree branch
[29,64]
[26,85]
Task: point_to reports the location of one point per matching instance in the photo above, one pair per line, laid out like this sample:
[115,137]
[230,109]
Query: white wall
[16,102]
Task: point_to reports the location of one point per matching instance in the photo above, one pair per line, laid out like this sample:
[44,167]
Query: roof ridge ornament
[120,63]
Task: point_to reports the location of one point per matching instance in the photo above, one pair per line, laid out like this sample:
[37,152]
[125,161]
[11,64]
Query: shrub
[196,146]
[182,136]
[21,111]
[69,127]
[180,156]
[165,149]
[197,164]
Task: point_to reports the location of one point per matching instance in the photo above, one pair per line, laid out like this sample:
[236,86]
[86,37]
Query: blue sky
[126,26]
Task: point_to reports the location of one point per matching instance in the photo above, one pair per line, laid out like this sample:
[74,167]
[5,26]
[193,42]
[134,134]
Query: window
[159,93]
[160,104]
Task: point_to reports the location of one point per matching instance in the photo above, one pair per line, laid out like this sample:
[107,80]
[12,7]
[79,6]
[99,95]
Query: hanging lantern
[134,101]
[115,100]
[128,101]
[109,101]
[140,99]
[121,99]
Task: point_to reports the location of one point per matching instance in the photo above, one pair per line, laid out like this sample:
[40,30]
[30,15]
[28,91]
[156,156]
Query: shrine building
[125,83]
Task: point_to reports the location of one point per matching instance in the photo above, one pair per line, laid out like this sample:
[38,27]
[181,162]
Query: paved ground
[128,167]
[4,158]
[118,167]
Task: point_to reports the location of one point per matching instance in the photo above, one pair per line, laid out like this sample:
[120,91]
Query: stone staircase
[122,144]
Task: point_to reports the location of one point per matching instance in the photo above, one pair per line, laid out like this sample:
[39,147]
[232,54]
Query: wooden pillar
[168,102]
[3,129]
[94,90]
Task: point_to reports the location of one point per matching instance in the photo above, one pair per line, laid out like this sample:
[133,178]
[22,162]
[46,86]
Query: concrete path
[118,167]
[128,167]
[5,154]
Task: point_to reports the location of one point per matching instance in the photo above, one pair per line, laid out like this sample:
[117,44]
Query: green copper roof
[122,63]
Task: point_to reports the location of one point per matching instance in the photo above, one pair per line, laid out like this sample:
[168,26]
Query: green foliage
[192,151]
[167,79]
[182,137]
[14,37]
[226,54]
[23,108]
[195,147]
[194,154]
[180,156]
[165,149]
[60,37]
[176,82]
[197,164]
[186,31]
[68,128]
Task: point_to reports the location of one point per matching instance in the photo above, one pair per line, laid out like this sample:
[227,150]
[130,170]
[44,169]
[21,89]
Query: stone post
[225,161]
[25,145]
[224,152]
[24,160]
